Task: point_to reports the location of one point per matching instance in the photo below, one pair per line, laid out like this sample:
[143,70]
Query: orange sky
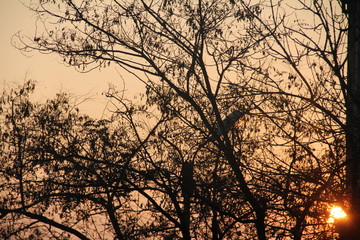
[52,76]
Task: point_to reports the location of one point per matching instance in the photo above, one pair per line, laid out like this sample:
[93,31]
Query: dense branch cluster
[158,168]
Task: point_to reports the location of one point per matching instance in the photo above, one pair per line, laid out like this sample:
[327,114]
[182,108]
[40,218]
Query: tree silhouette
[159,167]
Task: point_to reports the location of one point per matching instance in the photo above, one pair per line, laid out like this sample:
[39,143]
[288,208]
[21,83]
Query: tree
[348,229]
[57,167]
[274,173]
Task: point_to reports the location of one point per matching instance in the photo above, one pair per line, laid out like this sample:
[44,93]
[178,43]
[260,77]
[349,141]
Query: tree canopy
[239,134]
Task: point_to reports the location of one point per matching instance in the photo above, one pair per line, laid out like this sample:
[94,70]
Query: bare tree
[274,172]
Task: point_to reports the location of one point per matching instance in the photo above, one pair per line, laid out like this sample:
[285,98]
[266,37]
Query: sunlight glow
[336,212]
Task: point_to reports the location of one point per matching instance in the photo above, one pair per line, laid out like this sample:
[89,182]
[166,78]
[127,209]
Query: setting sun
[336,212]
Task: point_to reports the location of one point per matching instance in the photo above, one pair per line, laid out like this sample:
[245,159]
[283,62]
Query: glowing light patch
[336,213]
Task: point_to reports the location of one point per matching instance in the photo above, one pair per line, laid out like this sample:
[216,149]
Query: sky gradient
[48,70]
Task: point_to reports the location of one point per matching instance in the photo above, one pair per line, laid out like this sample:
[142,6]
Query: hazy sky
[52,76]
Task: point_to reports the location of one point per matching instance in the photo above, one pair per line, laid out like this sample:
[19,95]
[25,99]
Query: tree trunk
[351,228]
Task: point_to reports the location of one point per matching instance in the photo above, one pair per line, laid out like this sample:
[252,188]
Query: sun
[336,212]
